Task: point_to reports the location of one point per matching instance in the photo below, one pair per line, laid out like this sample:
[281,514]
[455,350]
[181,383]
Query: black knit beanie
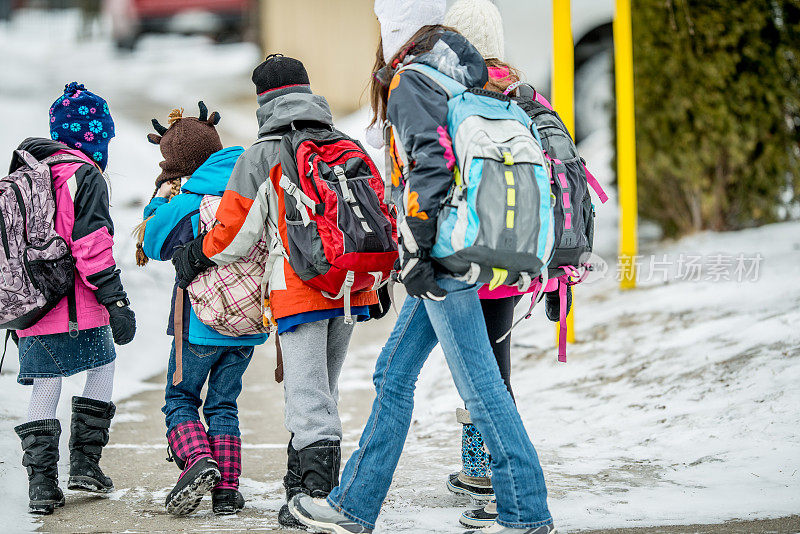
[279,75]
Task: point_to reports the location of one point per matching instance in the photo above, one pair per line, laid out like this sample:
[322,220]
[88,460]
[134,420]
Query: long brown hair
[419,43]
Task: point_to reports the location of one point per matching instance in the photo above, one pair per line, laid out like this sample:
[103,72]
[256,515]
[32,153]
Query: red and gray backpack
[341,238]
[573,211]
[36,265]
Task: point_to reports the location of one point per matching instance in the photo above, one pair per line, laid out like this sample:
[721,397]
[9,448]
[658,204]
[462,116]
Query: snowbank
[679,403]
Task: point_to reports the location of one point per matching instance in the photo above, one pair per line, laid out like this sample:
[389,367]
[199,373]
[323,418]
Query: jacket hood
[211,177]
[455,57]
[38,147]
[279,113]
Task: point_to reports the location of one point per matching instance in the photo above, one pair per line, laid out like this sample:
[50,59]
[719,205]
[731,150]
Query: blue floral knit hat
[80,119]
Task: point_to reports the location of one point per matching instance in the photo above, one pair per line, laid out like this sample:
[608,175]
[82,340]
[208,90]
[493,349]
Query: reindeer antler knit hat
[186,144]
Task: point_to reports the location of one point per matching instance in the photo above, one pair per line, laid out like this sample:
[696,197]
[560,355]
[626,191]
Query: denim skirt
[55,355]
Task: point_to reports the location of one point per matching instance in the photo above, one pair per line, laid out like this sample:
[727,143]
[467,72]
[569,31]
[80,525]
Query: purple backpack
[36,265]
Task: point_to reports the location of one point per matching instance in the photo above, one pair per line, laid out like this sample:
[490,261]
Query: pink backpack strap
[562,320]
[595,185]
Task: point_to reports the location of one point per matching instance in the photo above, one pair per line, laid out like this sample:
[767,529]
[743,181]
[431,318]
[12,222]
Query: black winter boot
[293,484]
[552,304]
[40,458]
[319,463]
[91,420]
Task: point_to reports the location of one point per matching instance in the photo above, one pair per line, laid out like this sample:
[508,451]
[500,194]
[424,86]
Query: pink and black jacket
[84,221]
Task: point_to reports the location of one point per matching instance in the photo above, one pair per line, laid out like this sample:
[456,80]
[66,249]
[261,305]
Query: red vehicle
[219,18]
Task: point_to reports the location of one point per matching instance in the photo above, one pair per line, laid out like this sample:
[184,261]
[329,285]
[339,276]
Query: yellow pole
[626,144]
[564,93]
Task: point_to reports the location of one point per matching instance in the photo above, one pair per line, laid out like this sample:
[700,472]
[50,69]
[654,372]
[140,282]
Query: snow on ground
[679,402]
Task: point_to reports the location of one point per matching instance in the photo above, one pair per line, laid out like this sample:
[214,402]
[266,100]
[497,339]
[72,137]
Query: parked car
[221,19]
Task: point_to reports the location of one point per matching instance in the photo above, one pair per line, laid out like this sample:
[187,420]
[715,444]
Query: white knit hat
[480,22]
[401,19]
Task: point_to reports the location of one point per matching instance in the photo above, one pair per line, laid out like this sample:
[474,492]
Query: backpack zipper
[3,234]
[21,205]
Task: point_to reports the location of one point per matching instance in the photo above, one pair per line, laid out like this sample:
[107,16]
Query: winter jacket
[175,223]
[417,110]
[83,220]
[254,197]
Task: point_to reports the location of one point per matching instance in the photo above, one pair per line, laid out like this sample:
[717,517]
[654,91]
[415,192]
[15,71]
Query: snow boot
[225,497]
[91,420]
[480,517]
[474,479]
[318,515]
[40,458]
[191,452]
[552,304]
[319,465]
[294,486]
[494,528]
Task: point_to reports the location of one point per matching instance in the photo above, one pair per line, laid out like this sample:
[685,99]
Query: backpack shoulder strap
[267,138]
[63,158]
[450,86]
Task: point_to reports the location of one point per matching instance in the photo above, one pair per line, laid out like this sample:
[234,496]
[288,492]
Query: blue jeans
[458,324]
[223,367]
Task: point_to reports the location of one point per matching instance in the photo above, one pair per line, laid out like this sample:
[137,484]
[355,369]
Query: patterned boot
[191,452]
[474,479]
[40,458]
[225,497]
[89,433]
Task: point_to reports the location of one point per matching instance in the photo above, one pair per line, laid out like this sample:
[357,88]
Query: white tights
[47,391]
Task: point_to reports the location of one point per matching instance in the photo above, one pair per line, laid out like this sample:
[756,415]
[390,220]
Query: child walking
[480,22]
[417,109]
[79,333]
[215,324]
[314,335]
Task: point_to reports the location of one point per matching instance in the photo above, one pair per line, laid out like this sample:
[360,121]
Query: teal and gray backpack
[496,224]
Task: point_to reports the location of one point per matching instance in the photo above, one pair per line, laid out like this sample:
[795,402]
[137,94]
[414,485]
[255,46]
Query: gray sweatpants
[312,359]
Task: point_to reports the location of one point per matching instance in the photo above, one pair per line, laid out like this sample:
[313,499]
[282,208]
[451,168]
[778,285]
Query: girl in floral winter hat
[79,333]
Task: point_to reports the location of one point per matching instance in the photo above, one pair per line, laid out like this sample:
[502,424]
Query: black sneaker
[478,488]
[480,517]
[226,501]
[198,480]
[287,520]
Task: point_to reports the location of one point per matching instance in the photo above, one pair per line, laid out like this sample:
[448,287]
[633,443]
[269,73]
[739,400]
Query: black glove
[123,322]
[379,310]
[189,261]
[552,304]
[418,277]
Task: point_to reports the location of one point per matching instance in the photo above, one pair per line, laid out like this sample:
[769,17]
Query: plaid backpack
[340,236]
[36,265]
[229,298]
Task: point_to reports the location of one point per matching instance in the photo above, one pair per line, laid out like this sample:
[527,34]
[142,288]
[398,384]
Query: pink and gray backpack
[36,265]
[573,211]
